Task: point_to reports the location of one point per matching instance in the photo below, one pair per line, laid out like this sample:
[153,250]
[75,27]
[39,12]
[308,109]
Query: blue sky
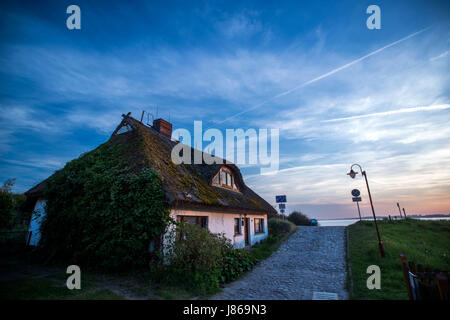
[62,91]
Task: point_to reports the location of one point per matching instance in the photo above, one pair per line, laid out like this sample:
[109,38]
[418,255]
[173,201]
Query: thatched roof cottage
[213,196]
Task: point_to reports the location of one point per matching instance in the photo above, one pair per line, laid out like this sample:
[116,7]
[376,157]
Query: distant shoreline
[408,216]
[349,221]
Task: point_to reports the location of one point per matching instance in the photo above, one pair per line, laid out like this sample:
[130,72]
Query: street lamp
[352,175]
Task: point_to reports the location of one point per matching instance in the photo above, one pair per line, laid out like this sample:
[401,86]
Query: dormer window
[224,178]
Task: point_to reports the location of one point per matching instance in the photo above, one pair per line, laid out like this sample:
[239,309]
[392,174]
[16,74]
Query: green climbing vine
[102,213]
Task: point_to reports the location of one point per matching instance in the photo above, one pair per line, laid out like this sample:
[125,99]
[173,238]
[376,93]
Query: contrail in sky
[387,113]
[345,66]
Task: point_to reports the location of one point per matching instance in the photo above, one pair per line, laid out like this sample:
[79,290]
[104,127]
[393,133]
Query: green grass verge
[424,242]
[48,288]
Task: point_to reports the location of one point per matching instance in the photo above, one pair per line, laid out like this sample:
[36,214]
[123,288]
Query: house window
[259,225]
[237,226]
[225,179]
[200,221]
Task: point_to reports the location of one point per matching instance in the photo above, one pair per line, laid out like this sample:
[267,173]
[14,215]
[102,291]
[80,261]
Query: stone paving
[311,260]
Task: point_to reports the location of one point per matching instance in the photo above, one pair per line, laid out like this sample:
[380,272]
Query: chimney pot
[162,126]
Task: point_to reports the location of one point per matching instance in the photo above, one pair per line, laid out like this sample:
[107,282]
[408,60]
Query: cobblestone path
[311,260]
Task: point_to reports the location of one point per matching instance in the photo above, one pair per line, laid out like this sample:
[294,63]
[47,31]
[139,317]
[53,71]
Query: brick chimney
[163,127]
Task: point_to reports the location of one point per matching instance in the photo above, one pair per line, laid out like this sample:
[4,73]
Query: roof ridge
[153,130]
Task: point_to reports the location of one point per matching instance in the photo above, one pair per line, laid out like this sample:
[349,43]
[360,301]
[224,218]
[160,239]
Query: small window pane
[204,222]
[258,228]
[237,226]
[229,179]
[224,178]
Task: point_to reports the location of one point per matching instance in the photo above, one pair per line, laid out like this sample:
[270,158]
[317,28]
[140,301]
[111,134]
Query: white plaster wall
[35,223]
[219,222]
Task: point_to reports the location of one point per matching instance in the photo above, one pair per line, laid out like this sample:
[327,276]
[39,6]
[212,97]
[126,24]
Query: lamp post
[359,212]
[352,174]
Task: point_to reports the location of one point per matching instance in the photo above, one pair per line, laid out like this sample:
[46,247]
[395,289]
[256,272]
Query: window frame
[226,179]
[239,226]
[201,221]
[260,230]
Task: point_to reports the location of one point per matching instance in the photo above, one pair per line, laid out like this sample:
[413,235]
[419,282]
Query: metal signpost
[281,200]
[356,198]
[352,175]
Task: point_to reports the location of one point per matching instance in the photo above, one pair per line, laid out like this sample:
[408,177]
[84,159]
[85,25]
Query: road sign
[282,211]
[355,193]
[280,198]
[356,199]
[282,206]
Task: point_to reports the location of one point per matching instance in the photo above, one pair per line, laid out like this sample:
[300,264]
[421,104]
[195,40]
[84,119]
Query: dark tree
[299,219]
[7,204]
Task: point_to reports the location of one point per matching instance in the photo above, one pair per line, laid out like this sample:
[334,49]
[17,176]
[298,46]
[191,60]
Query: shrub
[201,260]
[99,214]
[299,219]
[279,227]
[235,263]
[193,256]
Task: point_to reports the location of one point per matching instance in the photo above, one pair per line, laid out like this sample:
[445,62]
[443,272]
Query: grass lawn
[424,242]
[52,288]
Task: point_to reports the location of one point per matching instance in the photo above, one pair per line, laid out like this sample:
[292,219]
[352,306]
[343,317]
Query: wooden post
[442,283]
[400,211]
[405,270]
[404,212]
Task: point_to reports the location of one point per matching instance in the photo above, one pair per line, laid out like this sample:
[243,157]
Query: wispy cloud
[442,55]
[325,75]
[38,162]
[392,112]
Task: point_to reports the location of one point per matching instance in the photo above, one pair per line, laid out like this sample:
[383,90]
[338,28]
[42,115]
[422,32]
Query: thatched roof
[186,186]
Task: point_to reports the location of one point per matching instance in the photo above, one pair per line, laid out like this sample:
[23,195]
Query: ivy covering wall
[101,212]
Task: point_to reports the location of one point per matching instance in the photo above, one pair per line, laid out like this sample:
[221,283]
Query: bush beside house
[201,260]
[299,219]
[279,227]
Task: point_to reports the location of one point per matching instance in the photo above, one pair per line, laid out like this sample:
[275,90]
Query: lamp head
[352,174]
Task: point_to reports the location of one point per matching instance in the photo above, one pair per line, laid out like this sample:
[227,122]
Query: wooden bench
[424,283]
